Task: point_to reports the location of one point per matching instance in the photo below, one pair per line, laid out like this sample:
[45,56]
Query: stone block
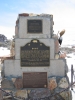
[63,83]
[18,83]
[7,84]
[46,27]
[24,14]
[66,95]
[21,93]
[40,93]
[57,68]
[52,84]
[1,95]
[56,46]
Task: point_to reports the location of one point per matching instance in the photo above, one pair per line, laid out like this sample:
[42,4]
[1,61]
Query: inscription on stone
[35,54]
[35,80]
[34,26]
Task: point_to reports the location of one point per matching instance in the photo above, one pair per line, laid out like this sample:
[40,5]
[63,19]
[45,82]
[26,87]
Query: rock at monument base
[7,84]
[52,83]
[39,93]
[57,97]
[21,93]
[36,49]
[58,84]
[1,95]
[44,94]
[63,83]
[18,83]
[7,98]
[66,95]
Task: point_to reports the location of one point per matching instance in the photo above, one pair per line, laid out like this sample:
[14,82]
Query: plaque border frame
[35,65]
[35,32]
[36,72]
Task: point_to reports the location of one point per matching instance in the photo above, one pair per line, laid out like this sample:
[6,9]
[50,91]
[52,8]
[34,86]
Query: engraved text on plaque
[35,54]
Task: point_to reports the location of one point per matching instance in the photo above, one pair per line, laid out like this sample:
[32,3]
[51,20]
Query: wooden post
[72,72]
[1,95]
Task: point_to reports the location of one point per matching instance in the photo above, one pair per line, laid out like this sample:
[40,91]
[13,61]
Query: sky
[63,12]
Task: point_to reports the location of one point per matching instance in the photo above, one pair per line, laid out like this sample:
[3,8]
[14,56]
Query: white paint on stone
[13,68]
[46,27]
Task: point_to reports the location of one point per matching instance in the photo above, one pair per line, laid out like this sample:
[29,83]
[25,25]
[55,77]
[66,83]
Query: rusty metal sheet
[35,80]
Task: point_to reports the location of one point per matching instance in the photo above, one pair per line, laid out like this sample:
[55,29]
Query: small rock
[52,83]
[63,83]
[21,93]
[18,83]
[39,93]
[7,84]
[57,97]
[66,95]
[7,98]
[13,80]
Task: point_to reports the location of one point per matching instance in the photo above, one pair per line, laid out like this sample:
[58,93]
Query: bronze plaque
[35,54]
[34,26]
[35,80]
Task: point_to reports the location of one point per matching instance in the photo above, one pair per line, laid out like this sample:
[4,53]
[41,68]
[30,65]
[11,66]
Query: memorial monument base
[37,71]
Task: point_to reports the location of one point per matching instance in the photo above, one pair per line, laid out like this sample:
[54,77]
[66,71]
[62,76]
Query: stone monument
[35,63]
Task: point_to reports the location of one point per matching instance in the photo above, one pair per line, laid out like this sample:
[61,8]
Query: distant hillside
[3,38]
[4,42]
